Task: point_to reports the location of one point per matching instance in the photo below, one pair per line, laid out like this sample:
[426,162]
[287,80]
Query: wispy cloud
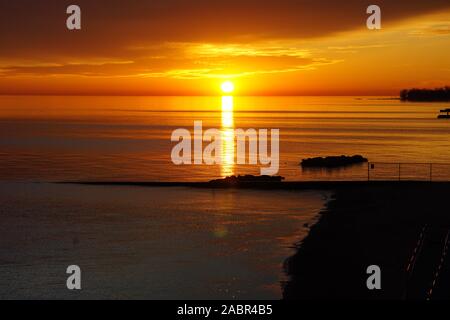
[248,50]
[219,73]
[185,61]
[442,29]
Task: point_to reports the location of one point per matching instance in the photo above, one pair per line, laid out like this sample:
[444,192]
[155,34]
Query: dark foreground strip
[440,264]
[314,309]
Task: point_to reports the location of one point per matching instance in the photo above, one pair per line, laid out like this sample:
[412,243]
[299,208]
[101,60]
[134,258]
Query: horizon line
[192,95]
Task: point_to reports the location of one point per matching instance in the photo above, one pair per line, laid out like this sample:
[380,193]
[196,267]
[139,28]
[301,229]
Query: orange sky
[179,47]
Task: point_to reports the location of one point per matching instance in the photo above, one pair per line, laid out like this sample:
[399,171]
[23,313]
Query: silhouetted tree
[438,94]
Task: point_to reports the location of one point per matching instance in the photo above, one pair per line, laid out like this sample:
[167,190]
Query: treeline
[438,94]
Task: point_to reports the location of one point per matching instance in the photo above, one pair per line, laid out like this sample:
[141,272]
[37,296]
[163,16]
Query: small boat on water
[446,115]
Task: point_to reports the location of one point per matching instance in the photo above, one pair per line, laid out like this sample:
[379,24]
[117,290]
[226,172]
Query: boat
[446,115]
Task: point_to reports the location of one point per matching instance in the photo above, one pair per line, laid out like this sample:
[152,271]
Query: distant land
[426,95]
[332,161]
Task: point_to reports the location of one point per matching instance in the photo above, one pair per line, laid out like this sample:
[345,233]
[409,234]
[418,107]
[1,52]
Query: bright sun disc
[227,87]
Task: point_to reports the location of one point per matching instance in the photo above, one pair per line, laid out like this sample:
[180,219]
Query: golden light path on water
[227,136]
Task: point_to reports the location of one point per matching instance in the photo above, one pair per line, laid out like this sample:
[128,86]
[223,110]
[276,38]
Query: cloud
[440,29]
[91,68]
[220,73]
[184,61]
[249,50]
[30,28]
[141,40]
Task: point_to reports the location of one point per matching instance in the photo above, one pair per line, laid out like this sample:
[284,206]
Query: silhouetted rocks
[332,161]
[446,115]
[425,95]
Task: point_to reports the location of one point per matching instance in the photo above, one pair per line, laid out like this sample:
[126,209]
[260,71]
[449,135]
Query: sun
[227,87]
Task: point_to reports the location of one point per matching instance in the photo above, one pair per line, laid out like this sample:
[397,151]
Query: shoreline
[402,230]
[401,226]
[283,185]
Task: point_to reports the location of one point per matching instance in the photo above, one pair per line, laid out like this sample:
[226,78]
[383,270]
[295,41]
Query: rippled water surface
[128,138]
[148,243]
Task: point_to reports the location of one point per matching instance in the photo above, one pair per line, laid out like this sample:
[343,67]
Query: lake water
[128,138]
[182,243]
[148,243]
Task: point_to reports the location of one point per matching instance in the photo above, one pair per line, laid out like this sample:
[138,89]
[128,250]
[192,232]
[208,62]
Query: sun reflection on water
[227,137]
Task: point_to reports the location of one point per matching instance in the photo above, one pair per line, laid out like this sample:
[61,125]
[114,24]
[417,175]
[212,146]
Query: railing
[408,171]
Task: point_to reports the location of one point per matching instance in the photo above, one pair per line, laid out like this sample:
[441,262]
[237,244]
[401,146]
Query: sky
[189,47]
